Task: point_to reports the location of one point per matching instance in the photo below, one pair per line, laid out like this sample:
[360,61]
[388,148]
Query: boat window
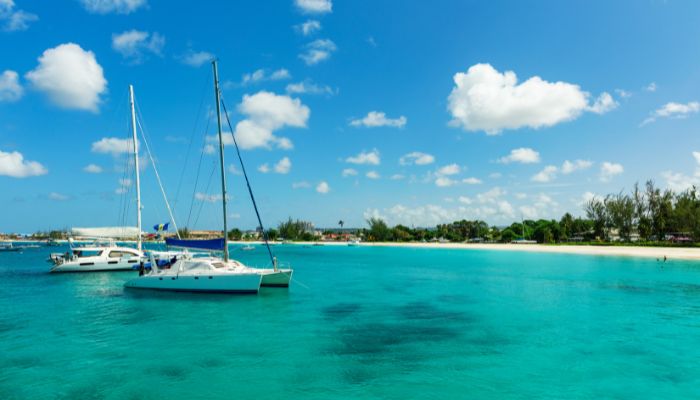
[116,254]
[87,253]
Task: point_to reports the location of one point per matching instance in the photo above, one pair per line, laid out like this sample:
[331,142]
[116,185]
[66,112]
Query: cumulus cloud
[577,165]
[317,51]
[309,87]
[679,182]
[113,6]
[70,77]
[14,165]
[523,155]
[372,175]
[264,168]
[471,181]
[365,157]
[113,146]
[546,175]
[309,27]
[265,113]
[349,172]
[608,170]
[283,166]
[486,99]
[12,19]
[603,104]
[416,158]
[196,58]
[377,119]
[451,169]
[10,89]
[444,181]
[93,169]
[262,75]
[134,45]
[397,177]
[673,110]
[314,6]
[323,187]
[651,87]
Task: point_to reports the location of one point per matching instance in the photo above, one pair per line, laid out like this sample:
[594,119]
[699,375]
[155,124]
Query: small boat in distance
[248,248]
[354,243]
[8,247]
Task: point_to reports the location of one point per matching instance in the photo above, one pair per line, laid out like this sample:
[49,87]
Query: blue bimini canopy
[202,244]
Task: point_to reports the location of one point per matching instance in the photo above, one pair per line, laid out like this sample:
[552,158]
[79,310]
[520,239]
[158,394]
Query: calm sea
[371,323]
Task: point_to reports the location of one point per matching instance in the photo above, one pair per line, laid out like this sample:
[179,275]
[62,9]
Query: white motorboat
[97,257]
[353,243]
[212,275]
[248,248]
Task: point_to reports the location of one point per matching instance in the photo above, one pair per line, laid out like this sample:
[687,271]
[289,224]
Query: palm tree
[341,223]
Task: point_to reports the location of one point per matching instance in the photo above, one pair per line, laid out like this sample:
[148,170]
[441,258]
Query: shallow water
[360,323]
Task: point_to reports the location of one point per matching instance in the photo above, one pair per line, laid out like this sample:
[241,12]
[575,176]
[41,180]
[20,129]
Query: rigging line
[247,182]
[155,169]
[189,146]
[206,193]
[196,182]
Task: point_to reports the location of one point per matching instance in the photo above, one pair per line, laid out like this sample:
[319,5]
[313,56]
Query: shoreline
[671,253]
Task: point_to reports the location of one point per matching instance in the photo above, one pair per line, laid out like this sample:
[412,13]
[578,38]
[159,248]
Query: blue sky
[419,113]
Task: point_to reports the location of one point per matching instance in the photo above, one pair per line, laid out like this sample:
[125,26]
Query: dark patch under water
[341,310]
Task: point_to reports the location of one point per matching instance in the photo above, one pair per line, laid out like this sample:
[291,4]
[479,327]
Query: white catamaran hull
[95,266]
[272,278]
[214,283]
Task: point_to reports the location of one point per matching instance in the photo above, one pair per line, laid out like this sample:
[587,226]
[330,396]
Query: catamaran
[106,255]
[212,274]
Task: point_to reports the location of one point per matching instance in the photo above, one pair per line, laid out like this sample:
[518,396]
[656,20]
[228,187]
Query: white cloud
[267,112]
[309,27]
[314,6]
[57,196]
[349,172]
[451,169]
[521,196]
[372,175]
[377,119]
[365,157]
[323,187]
[603,104]
[608,170]
[134,45]
[70,76]
[523,155]
[93,169]
[651,87]
[233,170]
[491,196]
[14,165]
[397,177]
[416,158]
[261,75]
[587,197]
[546,175]
[486,99]
[10,89]
[14,20]
[113,146]
[443,181]
[571,166]
[209,198]
[623,93]
[309,87]
[196,58]
[283,166]
[125,182]
[209,148]
[471,181]
[673,110]
[265,168]
[465,200]
[113,6]
[301,185]
[317,51]
[679,182]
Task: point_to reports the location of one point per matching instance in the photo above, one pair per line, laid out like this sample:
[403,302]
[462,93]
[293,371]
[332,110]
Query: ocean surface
[360,322]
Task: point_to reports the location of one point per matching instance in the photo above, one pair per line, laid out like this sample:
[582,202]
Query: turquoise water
[361,323]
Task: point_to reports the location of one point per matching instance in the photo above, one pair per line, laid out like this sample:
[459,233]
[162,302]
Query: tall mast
[136,165]
[221,156]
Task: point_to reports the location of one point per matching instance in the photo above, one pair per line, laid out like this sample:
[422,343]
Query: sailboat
[211,274]
[104,254]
